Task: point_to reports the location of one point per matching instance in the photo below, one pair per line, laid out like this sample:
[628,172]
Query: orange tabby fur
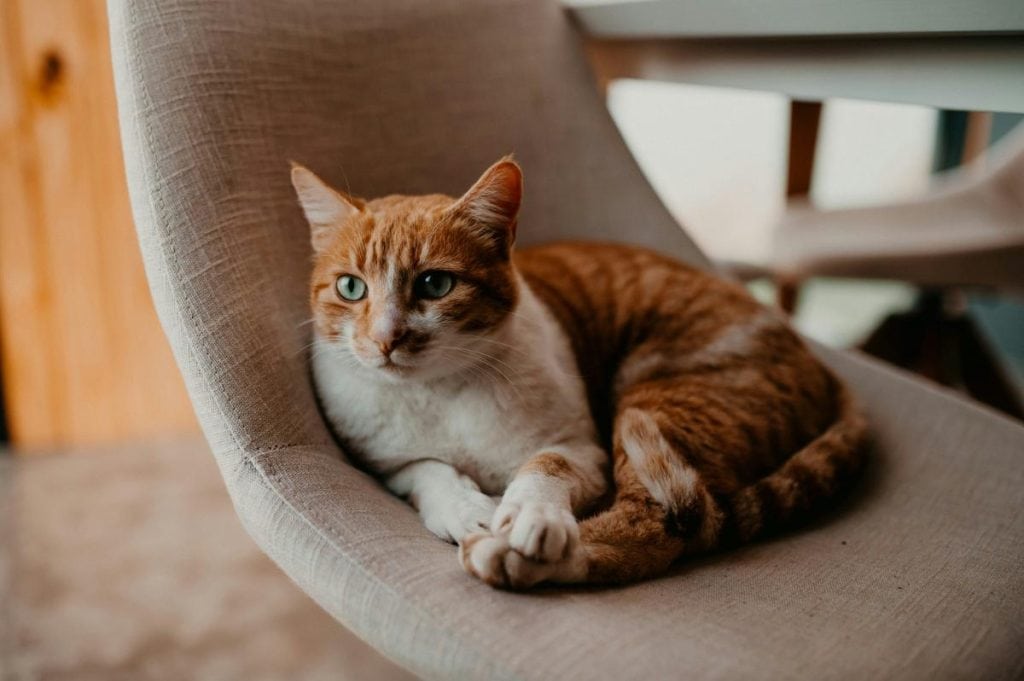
[722,426]
[769,434]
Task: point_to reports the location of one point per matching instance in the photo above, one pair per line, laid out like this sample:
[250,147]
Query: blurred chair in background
[966,233]
[938,57]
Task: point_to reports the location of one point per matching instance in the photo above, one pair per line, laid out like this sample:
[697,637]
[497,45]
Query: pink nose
[387,345]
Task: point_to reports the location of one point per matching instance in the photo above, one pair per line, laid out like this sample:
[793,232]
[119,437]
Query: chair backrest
[379,98]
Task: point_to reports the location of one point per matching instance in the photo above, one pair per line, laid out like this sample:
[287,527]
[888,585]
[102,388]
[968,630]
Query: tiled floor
[129,564]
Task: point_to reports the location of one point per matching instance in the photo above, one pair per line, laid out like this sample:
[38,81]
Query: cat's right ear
[325,208]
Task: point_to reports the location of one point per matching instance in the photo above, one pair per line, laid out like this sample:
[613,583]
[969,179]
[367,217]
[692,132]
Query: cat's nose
[387,344]
[387,329]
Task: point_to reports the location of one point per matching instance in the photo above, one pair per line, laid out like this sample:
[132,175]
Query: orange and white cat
[508,394]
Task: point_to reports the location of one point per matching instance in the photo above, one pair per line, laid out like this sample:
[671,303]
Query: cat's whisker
[480,370]
[479,373]
[503,344]
[526,355]
[344,176]
[484,360]
[306,347]
[537,324]
[321,348]
[471,352]
[488,356]
[518,351]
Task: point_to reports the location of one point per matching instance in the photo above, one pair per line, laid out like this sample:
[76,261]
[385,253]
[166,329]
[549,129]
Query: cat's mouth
[405,363]
[389,366]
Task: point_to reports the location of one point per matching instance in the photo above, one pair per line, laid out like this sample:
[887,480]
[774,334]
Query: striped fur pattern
[725,427]
[663,406]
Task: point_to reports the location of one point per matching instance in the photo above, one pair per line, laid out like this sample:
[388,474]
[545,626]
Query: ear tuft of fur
[325,208]
[492,203]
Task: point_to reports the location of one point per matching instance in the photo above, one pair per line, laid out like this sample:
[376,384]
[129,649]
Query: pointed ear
[492,204]
[324,207]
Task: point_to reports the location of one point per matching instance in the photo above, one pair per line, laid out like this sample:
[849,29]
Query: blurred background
[719,160]
[120,556]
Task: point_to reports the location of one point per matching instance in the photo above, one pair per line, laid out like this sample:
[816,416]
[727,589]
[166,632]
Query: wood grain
[84,358]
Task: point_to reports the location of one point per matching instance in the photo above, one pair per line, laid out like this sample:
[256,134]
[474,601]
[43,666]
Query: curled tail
[801,486]
[805,483]
[664,509]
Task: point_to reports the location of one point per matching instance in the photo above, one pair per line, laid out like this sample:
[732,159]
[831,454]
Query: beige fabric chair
[919,577]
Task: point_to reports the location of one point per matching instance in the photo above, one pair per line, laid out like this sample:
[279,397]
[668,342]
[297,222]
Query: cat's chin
[420,372]
[388,371]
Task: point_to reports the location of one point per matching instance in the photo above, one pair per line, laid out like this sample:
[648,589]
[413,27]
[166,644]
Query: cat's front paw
[491,559]
[538,530]
[454,521]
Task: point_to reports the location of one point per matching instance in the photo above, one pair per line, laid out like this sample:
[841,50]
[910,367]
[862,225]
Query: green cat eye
[433,284]
[351,288]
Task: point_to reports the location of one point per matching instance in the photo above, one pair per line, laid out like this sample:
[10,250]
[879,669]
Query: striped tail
[635,539]
[795,491]
[805,482]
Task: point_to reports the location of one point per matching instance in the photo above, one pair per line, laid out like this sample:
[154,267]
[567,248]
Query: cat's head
[410,287]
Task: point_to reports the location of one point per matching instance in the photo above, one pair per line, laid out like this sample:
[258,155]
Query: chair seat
[917,577]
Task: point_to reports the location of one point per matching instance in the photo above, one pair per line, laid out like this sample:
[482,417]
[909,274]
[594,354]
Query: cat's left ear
[326,209]
[492,204]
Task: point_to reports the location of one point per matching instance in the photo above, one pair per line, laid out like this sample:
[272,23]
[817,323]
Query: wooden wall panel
[83,356]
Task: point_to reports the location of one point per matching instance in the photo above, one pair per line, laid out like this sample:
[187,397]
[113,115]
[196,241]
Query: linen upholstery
[918,578]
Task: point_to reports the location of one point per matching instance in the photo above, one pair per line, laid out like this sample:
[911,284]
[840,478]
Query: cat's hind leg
[691,511]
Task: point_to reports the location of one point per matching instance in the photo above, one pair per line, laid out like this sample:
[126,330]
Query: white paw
[453,521]
[538,530]
[491,559]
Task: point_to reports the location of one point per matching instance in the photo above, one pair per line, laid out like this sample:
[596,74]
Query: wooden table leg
[804,120]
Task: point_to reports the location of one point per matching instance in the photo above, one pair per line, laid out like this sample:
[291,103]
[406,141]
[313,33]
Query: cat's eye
[351,288]
[433,284]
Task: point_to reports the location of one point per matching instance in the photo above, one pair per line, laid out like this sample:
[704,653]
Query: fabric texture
[918,577]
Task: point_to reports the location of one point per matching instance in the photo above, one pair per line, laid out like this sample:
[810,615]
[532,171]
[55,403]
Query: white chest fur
[484,422]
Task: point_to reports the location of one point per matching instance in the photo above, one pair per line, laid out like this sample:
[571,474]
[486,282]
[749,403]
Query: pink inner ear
[494,199]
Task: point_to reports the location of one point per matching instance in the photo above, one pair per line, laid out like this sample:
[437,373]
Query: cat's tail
[820,471]
[636,538]
[802,485]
